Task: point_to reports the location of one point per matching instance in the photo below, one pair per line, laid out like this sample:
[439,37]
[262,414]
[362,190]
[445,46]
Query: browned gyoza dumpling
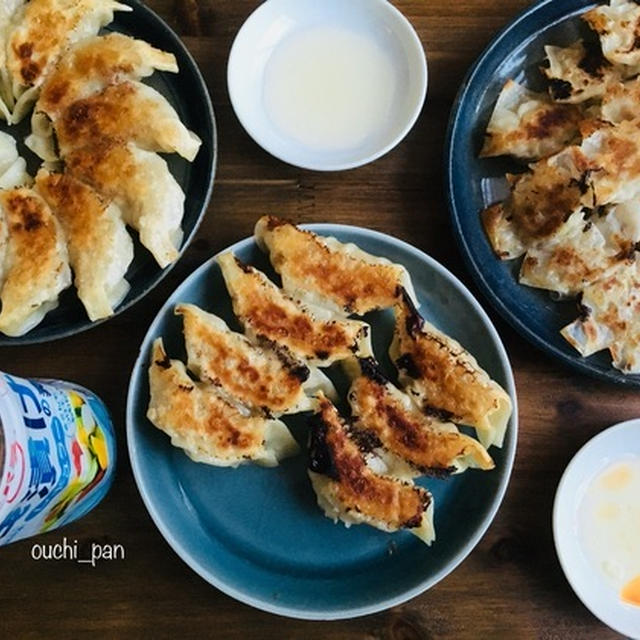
[409,441]
[100,249]
[259,378]
[35,263]
[444,379]
[42,31]
[529,125]
[94,66]
[349,490]
[142,186]
[129,111]
[267,314]
[207,426]
[322,271]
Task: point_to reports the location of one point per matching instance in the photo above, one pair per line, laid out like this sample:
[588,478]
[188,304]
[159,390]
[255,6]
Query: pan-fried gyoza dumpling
[8,9]
[87,68]
[444,379]
[349,490]
[409,441]
[42,31]
[528,125]
[100,249]
[609,317]
[321,271]
[142,186]
[617,26]
[129,111]
[36,263]
[207,426]
[583,250]
[578,73]
[267,314]
[540,201]
[259,378]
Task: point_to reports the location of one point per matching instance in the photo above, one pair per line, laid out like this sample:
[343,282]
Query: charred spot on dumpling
[322,354]
[407,364]
[371,369]
[440,414]
[29,212]
[414,322]
[241,265]
[548,121]
[321,458]
[416,520]
[593,62]
[367,441]
[560,89]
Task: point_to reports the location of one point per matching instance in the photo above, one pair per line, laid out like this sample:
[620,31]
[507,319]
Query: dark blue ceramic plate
[188,94]
[474,183]
[257,534]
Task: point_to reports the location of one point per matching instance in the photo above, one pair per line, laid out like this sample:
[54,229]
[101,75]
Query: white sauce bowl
[616,444]
[327,84]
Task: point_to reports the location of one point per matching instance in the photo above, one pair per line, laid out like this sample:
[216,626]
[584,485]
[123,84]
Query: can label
[59,455]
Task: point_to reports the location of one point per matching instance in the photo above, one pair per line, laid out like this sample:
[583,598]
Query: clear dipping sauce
[329,88]
[610,527]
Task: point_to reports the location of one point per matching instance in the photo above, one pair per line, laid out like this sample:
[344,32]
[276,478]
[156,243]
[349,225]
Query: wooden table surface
[511,586]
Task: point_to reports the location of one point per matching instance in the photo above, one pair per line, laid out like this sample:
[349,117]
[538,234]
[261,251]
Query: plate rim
[203,89]
[572,467]
[318,613]
[570,360]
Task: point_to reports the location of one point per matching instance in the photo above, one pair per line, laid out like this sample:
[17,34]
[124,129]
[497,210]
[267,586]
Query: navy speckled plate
[257,534]
[188,94]
[474,183]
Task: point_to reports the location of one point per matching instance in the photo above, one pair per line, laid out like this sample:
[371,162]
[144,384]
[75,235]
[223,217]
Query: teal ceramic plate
[256,533]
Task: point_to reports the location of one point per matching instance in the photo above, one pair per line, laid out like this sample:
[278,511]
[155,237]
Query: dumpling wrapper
[578,73]
[13,168]
[8,9]
[528,125]
[42,32]
[258,378]
[88,68]
[583,250]
[267,314]
[540,202]
[349,491]
[621,102]
[618,26]
[142,186]
[36,263]
[207,426]
[444,379]
[100,249]
[410,442]
[610,318]
[324,272]
[130,111]
[613,154]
